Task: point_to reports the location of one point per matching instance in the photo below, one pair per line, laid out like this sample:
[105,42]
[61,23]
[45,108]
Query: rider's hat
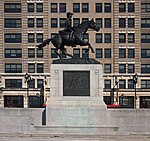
[69,13]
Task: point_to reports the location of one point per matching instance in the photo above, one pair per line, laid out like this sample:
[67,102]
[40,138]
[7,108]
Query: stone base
[79,112]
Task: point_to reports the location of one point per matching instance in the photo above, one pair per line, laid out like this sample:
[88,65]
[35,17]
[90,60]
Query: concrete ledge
[77,130]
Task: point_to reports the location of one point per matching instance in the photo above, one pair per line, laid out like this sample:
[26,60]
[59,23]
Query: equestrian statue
[71,36]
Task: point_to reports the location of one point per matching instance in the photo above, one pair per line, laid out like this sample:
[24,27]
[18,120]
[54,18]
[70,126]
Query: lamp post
[115,89]
[116,84]
[135,80]
[27,80]
[122,97]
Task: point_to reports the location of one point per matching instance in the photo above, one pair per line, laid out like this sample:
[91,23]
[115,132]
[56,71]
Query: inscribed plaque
[76,83]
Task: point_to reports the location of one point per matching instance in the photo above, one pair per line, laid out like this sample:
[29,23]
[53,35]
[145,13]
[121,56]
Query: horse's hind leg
[90,47]
[56,51]
[65,53]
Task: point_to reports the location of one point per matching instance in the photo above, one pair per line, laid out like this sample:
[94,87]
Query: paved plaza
[49,137]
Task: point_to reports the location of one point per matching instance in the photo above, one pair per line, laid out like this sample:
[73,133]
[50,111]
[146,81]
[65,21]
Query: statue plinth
[76,96]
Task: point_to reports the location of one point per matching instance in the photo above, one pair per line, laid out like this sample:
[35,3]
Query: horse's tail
[44,43]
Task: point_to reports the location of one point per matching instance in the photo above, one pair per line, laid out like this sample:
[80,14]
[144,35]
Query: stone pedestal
[84,107]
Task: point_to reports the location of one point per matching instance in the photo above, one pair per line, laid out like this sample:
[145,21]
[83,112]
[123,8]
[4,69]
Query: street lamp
[115,89]
[122,98]
[27,80]
[135,80]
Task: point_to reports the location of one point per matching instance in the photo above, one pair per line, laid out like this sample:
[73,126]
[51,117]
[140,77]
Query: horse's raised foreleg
[85,43]
[56,51]
[65,53]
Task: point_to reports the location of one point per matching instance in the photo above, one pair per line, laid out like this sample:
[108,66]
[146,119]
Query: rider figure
[68,24]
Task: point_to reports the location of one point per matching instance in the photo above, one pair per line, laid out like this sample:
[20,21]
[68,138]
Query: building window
[99,22]
[99,53]
[98,37]
[130,84]
[107,68]
[31,53]
[122,53]
[39,22]
[145,68]
[62,22]
[13,68]
[122,68]
[53,7]
[85,7]
[36,101]
[31,38]
[107,53]
[76,53]
[31,22]
[13,53]
[13,38]
[40,83]
[145,38]
[76,7]
[13,83]
[107,84]
[63,55]
[122,38]
[107,7]
[30,7]
[145,7]
[62,7]
[131,7]
[40,68]
[145,22]
[145,84]
[39,53]
[85,54]
[12,7]
[32,83]
[122,84]
[122,7]
[53,54]
[76,21]
[122,22]
[107,37]
[13,101]
[145,53]
[107,22]
[98,7]
[12,23]
[39,7]
[31,68]
[131,22]
[107,100]
[53,22]
[131,68]
[86,37]
[131,38]
[85,19]
[126,101]
[131,53]
[144,101]
[39,37]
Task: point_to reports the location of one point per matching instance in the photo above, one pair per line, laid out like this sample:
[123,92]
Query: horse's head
[93,25]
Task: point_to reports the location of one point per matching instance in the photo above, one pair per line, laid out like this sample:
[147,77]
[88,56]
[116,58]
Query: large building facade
[122,46]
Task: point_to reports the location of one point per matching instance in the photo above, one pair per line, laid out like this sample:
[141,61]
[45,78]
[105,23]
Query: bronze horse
[71,39]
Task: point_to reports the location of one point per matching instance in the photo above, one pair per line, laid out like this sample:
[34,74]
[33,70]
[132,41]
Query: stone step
[77,130]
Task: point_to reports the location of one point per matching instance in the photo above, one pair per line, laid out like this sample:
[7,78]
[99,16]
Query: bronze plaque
[76,83]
